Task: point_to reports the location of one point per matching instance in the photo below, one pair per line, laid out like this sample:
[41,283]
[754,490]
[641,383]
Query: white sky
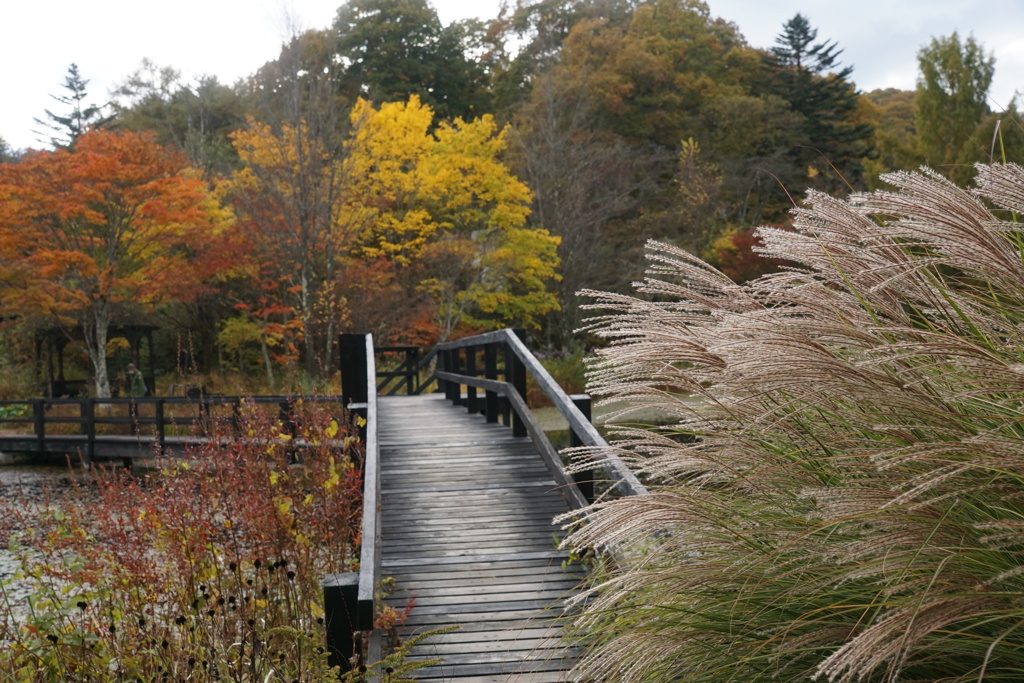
[108,39]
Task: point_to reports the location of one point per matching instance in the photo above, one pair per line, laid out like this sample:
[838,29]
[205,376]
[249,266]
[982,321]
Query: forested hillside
[392,174]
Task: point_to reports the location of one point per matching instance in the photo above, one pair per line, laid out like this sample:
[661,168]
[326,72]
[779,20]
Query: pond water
[25,485]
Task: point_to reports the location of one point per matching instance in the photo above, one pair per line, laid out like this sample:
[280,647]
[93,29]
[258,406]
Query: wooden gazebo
[51,342]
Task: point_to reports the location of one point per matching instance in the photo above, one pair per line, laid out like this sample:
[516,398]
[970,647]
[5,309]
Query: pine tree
[804,73]
[81,117]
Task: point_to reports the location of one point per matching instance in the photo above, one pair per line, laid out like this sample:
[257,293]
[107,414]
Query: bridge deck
[467,531]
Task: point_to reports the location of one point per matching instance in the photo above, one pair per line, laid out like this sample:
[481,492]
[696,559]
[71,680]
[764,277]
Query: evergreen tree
[7,153]
[804,73]
[951,96]
[392,49]
[81,117]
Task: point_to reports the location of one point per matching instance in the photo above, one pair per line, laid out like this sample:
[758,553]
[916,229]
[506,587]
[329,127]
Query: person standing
[136,389]
[136,382]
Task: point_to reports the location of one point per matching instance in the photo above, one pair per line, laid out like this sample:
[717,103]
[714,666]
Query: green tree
[196,117]
[392,49]
[7,153]
[80,117]
[806,74]
[952,88]
[650,77]
[586,182]
[537,30]
[892,113]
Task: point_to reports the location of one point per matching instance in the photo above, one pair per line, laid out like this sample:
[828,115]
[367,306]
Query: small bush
[568,369]
[851,507]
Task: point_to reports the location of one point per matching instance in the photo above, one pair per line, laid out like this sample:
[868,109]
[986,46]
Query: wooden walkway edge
[467,532]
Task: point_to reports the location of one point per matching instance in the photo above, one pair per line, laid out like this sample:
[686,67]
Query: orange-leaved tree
[290,191]
[118,221]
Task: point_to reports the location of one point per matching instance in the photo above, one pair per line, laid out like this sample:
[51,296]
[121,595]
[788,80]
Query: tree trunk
[95,329]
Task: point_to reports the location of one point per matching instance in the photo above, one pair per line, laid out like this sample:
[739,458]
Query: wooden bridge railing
[478,362]
[152,417]
[349,598]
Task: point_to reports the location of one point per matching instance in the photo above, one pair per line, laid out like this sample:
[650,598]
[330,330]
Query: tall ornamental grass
[846,501]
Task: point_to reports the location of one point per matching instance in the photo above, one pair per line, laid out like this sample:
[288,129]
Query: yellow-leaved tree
[424,229]
[443,205]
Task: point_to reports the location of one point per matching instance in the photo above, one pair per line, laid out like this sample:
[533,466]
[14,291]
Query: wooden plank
[508,620]
[467,513]
[535,677]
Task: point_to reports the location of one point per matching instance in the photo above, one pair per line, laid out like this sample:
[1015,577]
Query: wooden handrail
[370,556]
[575,497]
[34,412]
[350,598]
[581,428]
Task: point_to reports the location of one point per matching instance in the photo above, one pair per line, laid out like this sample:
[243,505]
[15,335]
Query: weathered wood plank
[467,514]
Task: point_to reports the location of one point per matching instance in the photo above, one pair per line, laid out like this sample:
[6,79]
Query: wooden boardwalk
[467,531]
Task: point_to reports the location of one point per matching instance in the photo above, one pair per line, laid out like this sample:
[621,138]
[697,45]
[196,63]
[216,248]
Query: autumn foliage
[117,221]
[209,570]
[411,229]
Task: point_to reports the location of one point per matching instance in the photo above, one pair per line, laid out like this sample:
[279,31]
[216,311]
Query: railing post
[412,378]
[471,403]
[515,374]
[158,410]
[87,412]
[39,424]
[236,415]
[584,479]
[491,372]
[450,360]
[353,367]
[341,613]
[456,367]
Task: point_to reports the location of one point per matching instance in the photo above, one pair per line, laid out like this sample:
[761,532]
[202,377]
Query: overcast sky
[108,39]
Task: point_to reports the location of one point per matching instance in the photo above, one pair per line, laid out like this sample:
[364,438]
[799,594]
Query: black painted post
[516,372]
[158,409]
[353,367]
[407,368]
[341,597]
[471,403]
[456,367]
[491,372]
[87,412]
[362,412]
[39,424]
[585,479]
[236,415]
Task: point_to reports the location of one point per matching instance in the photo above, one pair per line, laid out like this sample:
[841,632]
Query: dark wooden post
[236,415]
[361,411]
[341,597]
[158,409]
[412,359]
[87,412]
[585,479]
[515,372]
[456,367]
[471,402]
[353,367]
[491,372]
[448,365]
[39,424]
